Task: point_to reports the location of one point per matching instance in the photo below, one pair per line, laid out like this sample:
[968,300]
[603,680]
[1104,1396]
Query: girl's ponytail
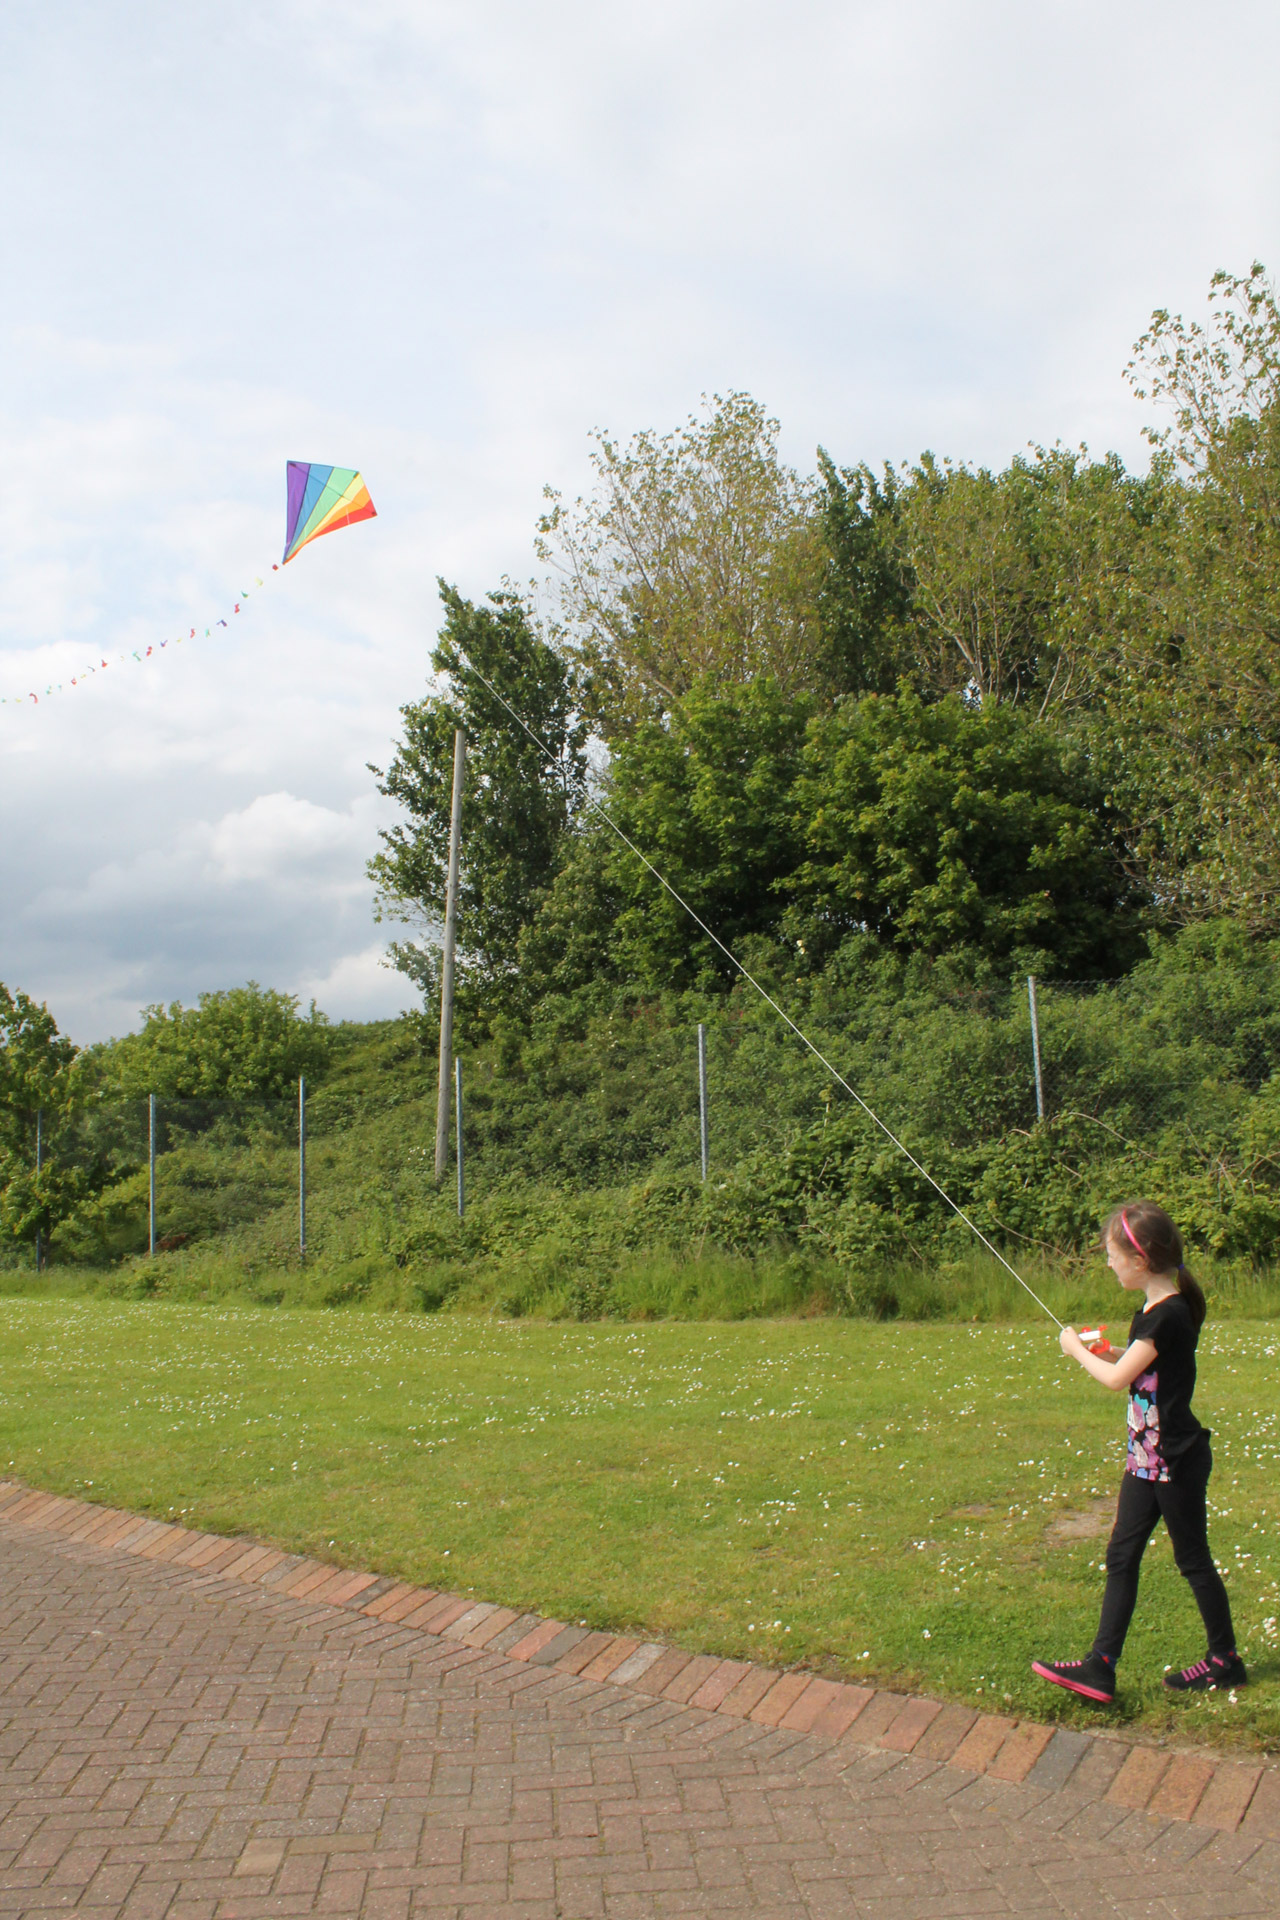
[1193,1293]
[1148,1228]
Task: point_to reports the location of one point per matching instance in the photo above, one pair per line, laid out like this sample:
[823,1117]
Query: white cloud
[363,985]
[279,837]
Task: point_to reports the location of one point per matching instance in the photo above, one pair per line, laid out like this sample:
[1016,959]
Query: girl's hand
[1135,1359]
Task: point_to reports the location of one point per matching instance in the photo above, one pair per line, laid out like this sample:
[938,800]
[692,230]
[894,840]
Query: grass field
[924,1505]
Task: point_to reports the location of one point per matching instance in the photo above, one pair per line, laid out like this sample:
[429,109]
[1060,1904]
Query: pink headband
[1135,1244]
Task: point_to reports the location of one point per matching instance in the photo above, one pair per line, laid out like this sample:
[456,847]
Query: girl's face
[1128,1265]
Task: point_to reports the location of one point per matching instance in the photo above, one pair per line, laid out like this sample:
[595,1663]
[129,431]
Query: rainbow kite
[322,499]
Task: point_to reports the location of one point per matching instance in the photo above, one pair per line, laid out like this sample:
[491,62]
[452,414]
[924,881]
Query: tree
[952,828]
[864,600]
[522,792]
[245,1043]
[38,1076]
[697,558]
[970,553]
[1198,695]
[707,796]
[1021,578]
[1093,527]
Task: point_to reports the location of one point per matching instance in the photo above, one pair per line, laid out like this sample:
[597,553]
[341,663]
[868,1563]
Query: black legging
[1180,1502]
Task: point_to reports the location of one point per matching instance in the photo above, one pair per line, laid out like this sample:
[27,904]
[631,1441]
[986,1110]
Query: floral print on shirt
[1145,1458]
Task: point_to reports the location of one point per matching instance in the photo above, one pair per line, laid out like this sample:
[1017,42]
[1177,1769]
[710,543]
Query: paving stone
[555,1649]
[279,1577]
[982,1743]
[436,1614]
[817,1695]
[945,1734]
[532,1643]
[1225,1800]
[512,1635]
[472,1618]
[1180,1791]
[1097,1769]
[840,1712]
[1019,1751]
[909,1724]
[749,1690]
[349,1587]
[584,1653]
[690,1678]
[722,1679]
[667,1668]
[609,1658]
[178,1744]
[637,1664]
[783,1695]
[877,1715]
[380,1605]
[1138,1778]
[489,1628]
[1262,1821]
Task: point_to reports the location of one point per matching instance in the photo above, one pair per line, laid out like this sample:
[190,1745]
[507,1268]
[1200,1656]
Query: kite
[321,499]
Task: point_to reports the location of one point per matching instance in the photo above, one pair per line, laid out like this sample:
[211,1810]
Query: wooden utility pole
[446,963]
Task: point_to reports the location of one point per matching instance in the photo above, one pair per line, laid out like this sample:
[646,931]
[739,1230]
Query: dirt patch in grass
[1083,1524]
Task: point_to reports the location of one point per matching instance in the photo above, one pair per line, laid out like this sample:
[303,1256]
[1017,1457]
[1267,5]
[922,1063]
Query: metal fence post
[457,1121]
[151,1173]
[447,953]
[703,1128]
[39,1166]
[1035,1044]
[302,1167]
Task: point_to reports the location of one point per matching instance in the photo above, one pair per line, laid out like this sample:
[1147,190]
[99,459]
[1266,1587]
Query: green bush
[584,1192]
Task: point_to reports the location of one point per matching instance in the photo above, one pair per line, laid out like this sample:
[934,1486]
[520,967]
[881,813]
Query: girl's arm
[1110,1373]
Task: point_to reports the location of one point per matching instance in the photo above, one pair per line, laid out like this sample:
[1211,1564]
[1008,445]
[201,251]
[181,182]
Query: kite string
[140,654]
[781,1011]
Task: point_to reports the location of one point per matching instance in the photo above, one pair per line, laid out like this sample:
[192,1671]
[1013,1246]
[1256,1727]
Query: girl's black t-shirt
[1161,1424]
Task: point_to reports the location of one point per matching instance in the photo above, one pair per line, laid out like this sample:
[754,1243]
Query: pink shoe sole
[1072,1686]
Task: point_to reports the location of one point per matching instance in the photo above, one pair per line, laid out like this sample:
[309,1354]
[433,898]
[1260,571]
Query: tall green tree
[864,599]
[697,558]
[948,827]
[970,546]
[242,1043]
[942,827]
[706,795]
[1198,693]
[523,791]
[38,1077]
[1021,579]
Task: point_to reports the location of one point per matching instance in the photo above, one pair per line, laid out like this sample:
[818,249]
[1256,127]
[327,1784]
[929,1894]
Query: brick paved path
[185,1744]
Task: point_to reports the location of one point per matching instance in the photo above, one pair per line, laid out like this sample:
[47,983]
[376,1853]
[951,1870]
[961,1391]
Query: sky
[442,243]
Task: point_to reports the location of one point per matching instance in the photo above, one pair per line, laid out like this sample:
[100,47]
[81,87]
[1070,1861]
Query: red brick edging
[1200,1786]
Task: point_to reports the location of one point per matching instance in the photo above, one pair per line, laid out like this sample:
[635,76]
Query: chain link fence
[114,1178]
[1183,1068]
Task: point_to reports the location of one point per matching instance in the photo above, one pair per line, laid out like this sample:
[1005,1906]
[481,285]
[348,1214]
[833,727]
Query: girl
[1167,1470]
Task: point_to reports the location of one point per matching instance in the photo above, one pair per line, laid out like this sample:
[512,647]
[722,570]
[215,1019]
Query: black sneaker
[1093,1678]
[1215,1670]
